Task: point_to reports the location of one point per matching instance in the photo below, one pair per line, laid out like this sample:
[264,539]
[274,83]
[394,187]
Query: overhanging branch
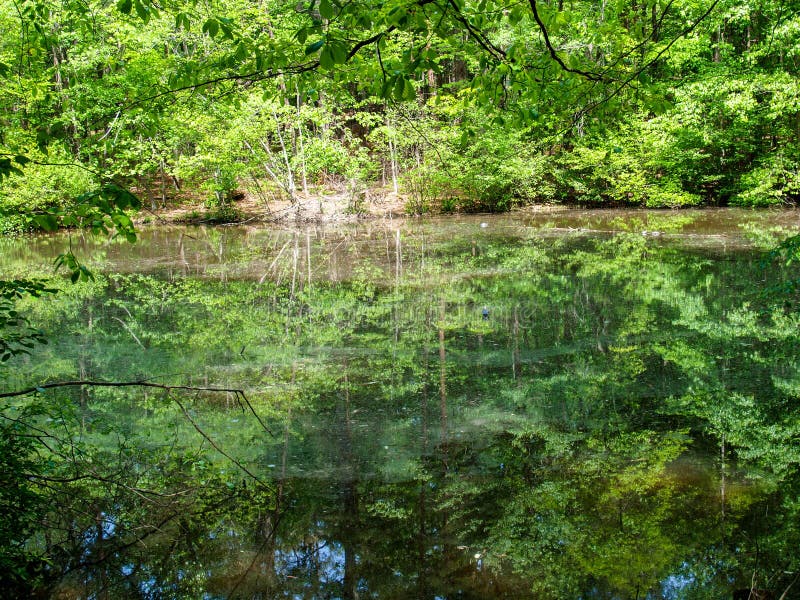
[686,31]
[476,34]
[240,395]
[553,54]
[147,384]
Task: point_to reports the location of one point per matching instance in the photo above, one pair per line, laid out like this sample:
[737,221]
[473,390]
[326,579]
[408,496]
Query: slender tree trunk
[718,40]
[302,144]
[350,501]
[398,260]
[308,256]
[295,257]
[392,154]
[723,482]
[515,348]
[290,184]
[163,168]
[442,375]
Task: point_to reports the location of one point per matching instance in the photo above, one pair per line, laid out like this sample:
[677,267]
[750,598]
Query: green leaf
[339,52]
[325,9]
[85,274]
[397,15]
[6,168]
[241,51]
[124,6]
[142,10]
[399,88]
[386,88]
[311,48]
[409,91]
[211,27]
[227,32]
[326,57]
[182,20]
[48,222]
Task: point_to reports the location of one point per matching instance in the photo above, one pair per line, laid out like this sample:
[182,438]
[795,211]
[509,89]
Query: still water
[555,404]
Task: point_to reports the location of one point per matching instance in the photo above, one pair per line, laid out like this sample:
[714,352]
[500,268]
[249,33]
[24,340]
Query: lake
[547,404]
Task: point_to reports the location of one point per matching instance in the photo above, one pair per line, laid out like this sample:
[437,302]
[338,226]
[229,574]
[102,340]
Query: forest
[449,105]
[552,401]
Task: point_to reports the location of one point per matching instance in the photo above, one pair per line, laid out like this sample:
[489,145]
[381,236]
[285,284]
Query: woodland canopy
[454,105]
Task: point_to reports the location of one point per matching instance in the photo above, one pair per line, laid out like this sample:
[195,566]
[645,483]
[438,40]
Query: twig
[553,54]
[125,325]
[786,591]
[216,447]
[691,27]
[169,388]
[241,398]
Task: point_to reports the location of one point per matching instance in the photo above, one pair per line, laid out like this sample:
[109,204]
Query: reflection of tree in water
[568,446]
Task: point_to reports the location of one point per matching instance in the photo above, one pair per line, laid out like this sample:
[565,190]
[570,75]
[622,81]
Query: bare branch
[241,397]
[553,54]
[217,447]
[125,325]
[477,35]
[60,384]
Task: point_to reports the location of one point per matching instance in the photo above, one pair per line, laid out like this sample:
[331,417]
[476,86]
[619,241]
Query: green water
[544,405]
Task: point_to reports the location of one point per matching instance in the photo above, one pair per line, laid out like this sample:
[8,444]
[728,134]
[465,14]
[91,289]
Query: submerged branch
[240,397]
[59,384]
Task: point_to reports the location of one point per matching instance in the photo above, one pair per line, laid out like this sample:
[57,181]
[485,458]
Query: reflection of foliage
[780,259]
[16,335]
[622,419]
[22,507]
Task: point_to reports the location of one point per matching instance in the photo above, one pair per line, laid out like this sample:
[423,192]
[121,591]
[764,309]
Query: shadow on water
[554,404]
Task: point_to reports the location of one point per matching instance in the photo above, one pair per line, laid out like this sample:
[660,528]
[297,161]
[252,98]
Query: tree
[107,86]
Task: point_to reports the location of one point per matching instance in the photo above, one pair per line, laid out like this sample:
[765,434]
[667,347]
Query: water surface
[552,404]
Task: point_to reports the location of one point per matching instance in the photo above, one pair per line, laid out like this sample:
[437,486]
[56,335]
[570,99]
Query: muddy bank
[309,208]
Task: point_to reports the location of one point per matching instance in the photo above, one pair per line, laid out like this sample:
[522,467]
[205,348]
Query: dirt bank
[307,208]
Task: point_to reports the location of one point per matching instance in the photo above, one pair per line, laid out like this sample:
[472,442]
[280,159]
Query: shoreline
[309,208]
[337,209]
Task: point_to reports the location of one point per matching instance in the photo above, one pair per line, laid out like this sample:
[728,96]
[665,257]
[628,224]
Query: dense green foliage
[474,105]
[624,422]
[617,426]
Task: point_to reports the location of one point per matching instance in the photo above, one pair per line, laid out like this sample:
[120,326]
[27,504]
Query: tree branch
[484,43]
[240,395]
[644,42]
[553,54]
[46,386]
[354,50]
[218,448]
[649,63]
